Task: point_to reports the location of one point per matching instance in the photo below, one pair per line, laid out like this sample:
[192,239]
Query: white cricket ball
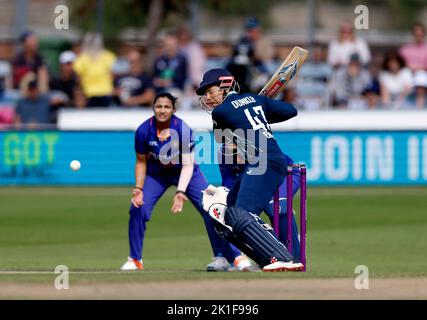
[75,165]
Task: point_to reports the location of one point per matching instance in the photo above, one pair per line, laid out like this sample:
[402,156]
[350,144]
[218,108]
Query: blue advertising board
[107,158]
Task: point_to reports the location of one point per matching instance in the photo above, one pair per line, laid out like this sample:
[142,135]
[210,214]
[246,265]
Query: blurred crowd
[344,75]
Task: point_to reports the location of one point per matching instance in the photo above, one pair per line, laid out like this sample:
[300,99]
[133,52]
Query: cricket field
[378,233]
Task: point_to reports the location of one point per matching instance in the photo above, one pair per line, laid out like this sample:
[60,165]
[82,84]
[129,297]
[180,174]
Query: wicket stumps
[289,210]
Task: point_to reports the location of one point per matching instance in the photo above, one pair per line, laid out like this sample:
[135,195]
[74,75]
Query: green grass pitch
[85,228]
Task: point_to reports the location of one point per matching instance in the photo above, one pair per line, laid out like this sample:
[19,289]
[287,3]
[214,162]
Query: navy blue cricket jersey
[250,111]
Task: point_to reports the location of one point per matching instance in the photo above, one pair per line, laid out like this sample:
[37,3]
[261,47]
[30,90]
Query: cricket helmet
[217,76]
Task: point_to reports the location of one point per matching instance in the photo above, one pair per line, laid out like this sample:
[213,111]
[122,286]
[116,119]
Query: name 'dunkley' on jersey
[242,102]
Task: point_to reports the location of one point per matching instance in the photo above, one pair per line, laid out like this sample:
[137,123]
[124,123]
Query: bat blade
[285,72]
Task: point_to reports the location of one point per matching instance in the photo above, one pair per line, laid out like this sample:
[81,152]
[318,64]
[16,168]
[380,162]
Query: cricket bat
[277,82]
[285,72]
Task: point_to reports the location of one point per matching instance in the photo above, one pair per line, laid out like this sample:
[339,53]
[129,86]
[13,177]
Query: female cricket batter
[164,157]
[248,118]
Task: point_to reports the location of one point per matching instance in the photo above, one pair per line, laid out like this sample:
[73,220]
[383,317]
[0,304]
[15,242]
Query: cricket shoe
[218,264]
[132,264]
[280,266]
[243,264]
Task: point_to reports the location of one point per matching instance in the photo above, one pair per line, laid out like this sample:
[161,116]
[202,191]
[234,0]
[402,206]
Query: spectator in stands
[340,50]
[313,80]
[33,109]
[134,88]
[5,70]
[170,68]
[197,60]
[395,81]
[415,53]
[6,98]
[66,80]
[420,85]
[240,63]
[94,69]
[62,86]
[316,68]
[264,48]
[65,83]
[252,59]
[195,54]
[29,60]
[371,97]
[349,84]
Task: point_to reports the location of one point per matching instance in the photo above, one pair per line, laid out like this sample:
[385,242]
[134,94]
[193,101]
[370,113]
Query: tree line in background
[119,15]
[116,16]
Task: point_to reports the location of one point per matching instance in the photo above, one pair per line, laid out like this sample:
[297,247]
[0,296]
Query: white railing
[116,119]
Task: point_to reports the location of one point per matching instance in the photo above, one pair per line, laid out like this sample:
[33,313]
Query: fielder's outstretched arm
[140,170]
[184,180]
[140,173]
[186,171]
